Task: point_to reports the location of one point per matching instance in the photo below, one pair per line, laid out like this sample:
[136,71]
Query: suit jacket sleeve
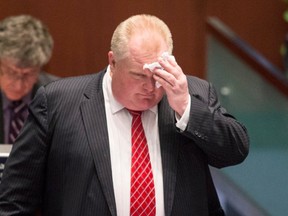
[218,134]
[23,177]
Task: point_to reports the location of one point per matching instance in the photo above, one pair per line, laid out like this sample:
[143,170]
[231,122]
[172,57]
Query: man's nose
[18,84]
[150,85]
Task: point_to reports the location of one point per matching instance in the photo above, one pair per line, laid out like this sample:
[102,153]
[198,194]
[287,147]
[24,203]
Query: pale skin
[135,88]
[16,82]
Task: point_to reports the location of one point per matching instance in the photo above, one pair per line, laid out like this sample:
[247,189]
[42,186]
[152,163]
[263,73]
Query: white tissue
[152,66]
[155,65]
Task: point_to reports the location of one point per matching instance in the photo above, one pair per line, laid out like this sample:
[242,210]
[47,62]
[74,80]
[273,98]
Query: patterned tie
[18,116]
[142,197]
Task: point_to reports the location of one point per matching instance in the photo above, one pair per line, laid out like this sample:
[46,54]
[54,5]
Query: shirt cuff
[181,122]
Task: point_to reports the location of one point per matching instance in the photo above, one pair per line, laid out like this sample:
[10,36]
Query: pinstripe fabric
[64,149]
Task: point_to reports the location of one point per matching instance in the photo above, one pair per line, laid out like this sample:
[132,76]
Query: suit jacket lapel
[169,152]
[94,119]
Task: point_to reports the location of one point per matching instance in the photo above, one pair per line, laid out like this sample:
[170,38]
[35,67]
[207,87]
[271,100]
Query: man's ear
[111,59]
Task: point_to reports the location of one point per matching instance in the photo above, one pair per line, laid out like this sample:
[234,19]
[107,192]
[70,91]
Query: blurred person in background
[25,47]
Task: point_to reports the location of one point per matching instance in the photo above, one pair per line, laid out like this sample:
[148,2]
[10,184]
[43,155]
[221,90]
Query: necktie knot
[17,106]
[134,113]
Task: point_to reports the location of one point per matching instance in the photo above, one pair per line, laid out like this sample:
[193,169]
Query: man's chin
[14,97]
[146,104]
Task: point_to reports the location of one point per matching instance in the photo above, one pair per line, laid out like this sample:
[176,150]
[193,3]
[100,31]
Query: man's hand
[174,82]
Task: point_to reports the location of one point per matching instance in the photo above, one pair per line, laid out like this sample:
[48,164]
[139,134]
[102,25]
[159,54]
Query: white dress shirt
[119,130]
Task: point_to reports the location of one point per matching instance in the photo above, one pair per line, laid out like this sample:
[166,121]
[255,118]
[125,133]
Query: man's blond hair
[141,24]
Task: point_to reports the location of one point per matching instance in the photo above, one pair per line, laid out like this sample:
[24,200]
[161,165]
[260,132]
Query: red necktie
[142,197]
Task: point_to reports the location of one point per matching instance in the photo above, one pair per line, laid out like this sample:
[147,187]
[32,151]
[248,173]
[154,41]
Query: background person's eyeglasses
[14,73]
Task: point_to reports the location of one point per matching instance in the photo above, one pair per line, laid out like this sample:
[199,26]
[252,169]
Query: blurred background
[240,46]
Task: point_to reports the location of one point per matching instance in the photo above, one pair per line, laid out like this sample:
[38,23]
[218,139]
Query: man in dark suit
[25,47]
[74,155]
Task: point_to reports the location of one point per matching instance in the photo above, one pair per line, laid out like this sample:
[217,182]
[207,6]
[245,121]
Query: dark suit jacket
[61,160]
[44,78]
